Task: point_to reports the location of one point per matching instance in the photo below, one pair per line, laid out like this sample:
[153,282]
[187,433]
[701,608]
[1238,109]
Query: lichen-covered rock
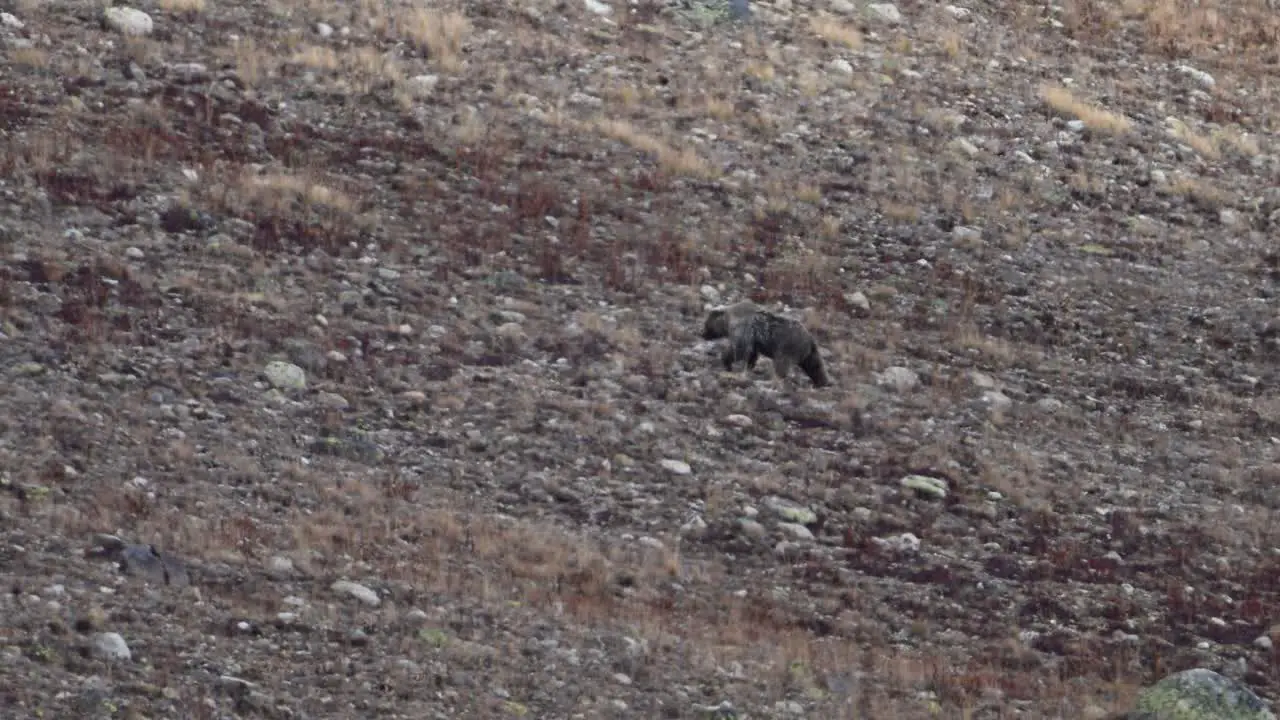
[1199,694]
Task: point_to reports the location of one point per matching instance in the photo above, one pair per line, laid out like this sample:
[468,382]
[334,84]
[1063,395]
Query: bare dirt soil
[410,296]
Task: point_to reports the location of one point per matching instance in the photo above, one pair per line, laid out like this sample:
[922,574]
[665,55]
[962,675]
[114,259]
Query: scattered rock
[285,376]
[925,486]
[898,378]
[357,591]
[791,512]
[1199,694]
[110,646]
[858,301]
[128,21]
[676,467]
[1200,76]
[887,12]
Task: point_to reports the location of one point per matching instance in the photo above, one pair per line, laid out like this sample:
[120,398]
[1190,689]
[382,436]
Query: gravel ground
[352,363]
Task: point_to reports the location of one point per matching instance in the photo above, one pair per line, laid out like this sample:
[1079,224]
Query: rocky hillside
[351,364]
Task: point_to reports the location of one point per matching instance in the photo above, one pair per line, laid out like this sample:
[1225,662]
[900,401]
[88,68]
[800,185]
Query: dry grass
[440,33]
[836,31]
[1205,146]
[683,161]
[1095,118]
[277,192]
[189,7]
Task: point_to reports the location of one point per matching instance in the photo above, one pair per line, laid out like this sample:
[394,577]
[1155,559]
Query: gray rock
[791,512]
[898,378]
[285,376]
[887,12]
[154,566]
[926,486]
[676,467]
[796,531]
[110,646]
[1199,694]
[357,591]
[128,21]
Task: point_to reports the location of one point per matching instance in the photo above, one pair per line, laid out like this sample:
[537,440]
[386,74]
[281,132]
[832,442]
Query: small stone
[189,72]
[357,591]
[796,531]
[741,421]
[752,529]
[996,401]
[279,566]
[285,376]
[110,646]
[128,21]
[965,147]
[886,11]
[10,21]
[134,253]
[840,66]
[958,13]
[676,467]
[926,486]
[598,7]
[904,543]
[1229,218]
[324,30]
[859,302]
[1199,76]
[964,233]
[790,511]
[898,378]
[332,400]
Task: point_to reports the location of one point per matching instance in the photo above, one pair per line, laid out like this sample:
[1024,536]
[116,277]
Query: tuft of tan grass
[188,7]
[808,193]
[683,161]
[316,57]
[439,32]
[253,64]
[29,57]
[278,191]
[1204,145]
[836,32]
[1095,118]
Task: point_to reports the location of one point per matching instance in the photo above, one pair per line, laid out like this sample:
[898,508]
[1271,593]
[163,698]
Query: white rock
[676,467]
[128,21]
[10,21]
[899,378]
[840,65]
[904,543]
[741,421]
[598,7]
[925,485]
[958,13]
[110,646]
[796,530]
[324,30]
[886,11]
[357,591]
[1199,76]
[422,85]
[996,400]
[844,7]
[285,376]
[858,301]
[965,147]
